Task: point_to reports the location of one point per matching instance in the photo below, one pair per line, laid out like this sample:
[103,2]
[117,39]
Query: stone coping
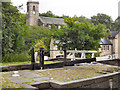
[37,66]
[73,84]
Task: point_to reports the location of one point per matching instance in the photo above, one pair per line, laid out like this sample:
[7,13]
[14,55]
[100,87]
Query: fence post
[65,56]
[32,58]
[42,58]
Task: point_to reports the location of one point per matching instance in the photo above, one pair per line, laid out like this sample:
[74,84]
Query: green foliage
[14,29]
[103,19]
[49,14]
[39,44]
[80,35]
[81,19]
[115,26]
[36,33]
[16,57]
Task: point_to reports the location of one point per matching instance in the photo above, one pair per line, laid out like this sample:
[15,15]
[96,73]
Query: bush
[16,57]
[88,55]
[39,44]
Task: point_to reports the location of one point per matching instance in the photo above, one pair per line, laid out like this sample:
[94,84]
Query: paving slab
[41,79]
[26,77]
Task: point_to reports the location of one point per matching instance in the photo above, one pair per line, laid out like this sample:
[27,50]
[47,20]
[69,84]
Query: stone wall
[119,45]
[32,19]
[115,62]
[111,80]
[53,54]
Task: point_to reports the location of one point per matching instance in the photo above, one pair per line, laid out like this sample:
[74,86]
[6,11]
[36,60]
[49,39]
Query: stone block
[41,85]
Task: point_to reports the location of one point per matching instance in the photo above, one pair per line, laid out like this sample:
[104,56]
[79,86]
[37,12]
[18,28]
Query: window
[27,8]
[33,8]
[103,48]
[108,48]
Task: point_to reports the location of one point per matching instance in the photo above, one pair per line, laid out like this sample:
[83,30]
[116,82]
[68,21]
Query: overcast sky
[86,8]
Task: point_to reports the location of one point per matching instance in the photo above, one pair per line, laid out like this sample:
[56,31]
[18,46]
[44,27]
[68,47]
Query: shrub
[39,44]
[16,57]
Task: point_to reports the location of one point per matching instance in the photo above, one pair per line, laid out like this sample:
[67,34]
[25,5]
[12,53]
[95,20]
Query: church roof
[104,41]
[51,20]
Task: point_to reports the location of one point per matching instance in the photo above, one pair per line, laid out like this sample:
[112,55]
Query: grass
[27,62]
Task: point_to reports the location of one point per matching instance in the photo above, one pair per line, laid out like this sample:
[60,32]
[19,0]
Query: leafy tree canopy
[13,29]
[49,14]
[81,35]
[103,19]
[36,33]
[116,25]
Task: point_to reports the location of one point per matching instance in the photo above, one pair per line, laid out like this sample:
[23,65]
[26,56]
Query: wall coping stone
[72,84]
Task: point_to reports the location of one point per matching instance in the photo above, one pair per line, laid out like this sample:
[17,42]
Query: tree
[49,14]
[38,45]
[115,26]
[103,19]
[81,19]
[13,29]
[80,35]
[36,33]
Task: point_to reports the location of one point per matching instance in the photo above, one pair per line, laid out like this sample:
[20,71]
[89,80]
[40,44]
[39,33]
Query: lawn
[27,62]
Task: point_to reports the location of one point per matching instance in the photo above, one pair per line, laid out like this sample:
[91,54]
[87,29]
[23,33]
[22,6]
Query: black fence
[66,62]
[41,56]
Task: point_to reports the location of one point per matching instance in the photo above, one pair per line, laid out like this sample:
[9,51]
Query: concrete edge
[57,84]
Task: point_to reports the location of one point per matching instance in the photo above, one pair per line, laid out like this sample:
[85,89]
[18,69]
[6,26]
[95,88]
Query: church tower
[32,13]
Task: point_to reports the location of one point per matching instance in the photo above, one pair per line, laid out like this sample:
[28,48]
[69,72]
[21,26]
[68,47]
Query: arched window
[33,8]
[27,8]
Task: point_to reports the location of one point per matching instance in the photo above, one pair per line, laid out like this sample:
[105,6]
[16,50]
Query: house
[108,47]
[111,45]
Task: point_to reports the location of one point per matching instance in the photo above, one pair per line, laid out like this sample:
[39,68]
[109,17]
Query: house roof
[50,20]
[114,33]
[104,41]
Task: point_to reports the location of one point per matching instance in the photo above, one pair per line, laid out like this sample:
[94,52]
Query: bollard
[111,84]
[42,58]
[65,56]
[32,58]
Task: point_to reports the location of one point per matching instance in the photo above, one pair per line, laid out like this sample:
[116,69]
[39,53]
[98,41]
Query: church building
[34,19]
